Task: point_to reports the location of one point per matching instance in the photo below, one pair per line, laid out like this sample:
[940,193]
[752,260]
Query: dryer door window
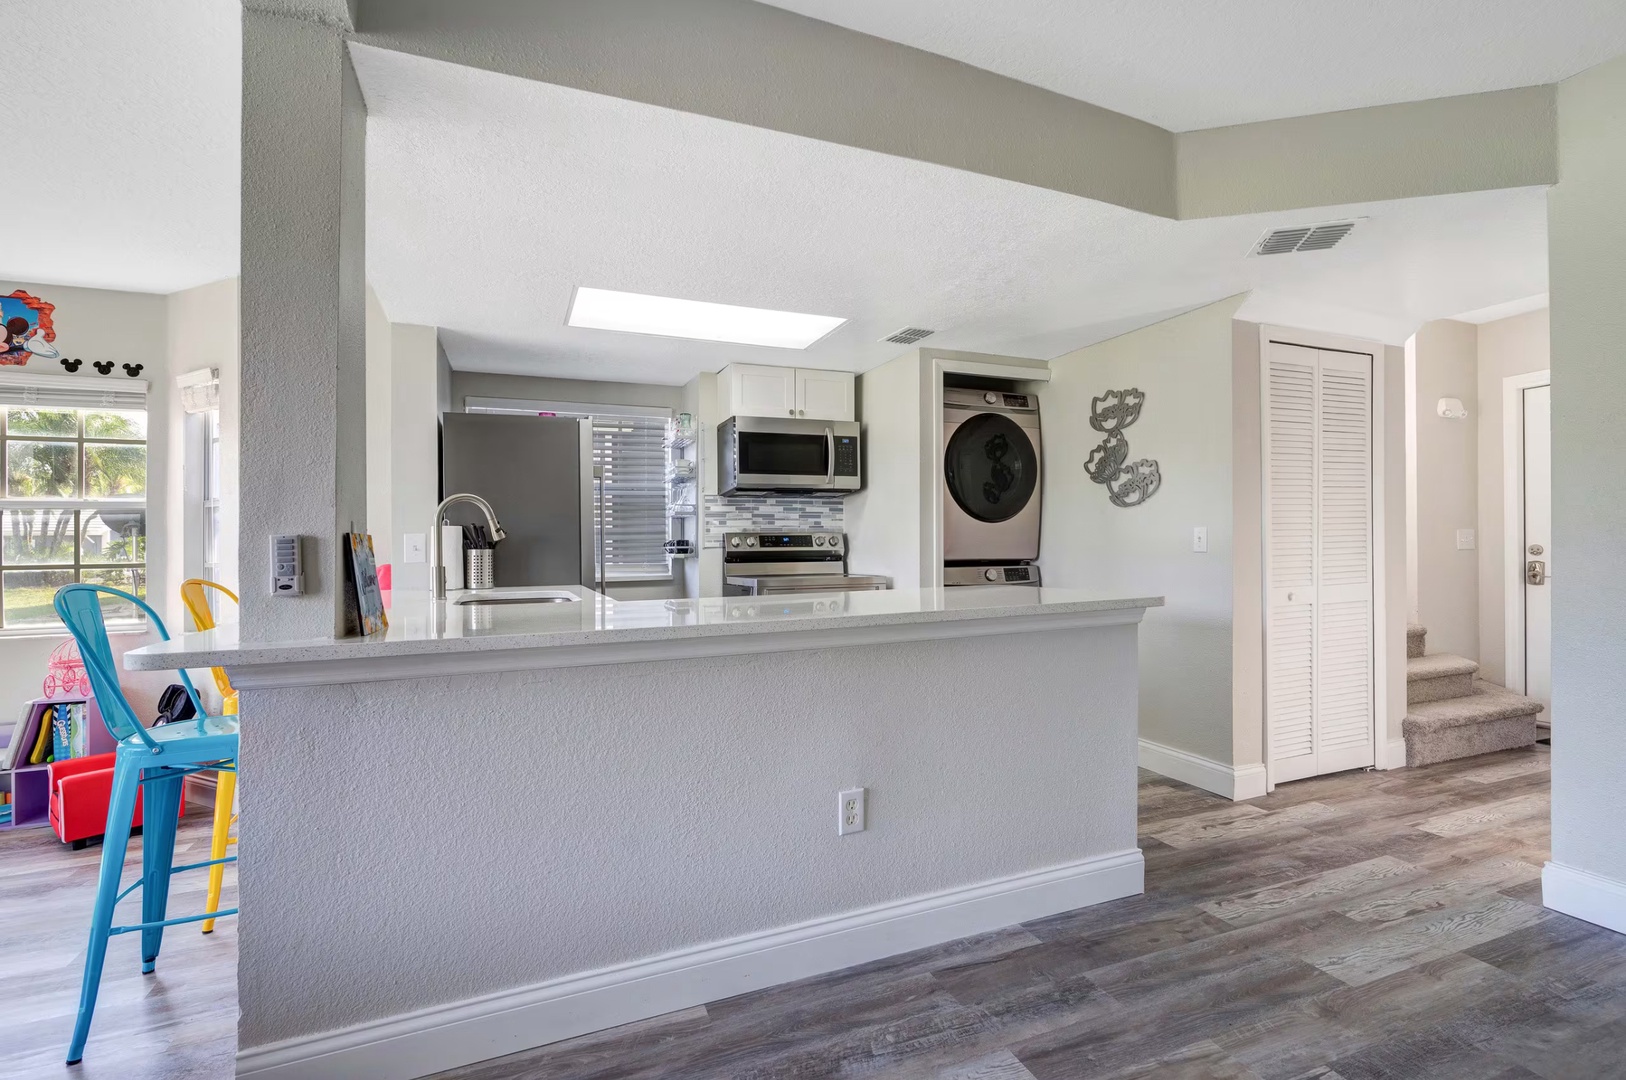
[991,467]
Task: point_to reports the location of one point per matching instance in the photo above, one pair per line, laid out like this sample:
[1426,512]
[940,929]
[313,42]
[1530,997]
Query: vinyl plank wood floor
[1365,925]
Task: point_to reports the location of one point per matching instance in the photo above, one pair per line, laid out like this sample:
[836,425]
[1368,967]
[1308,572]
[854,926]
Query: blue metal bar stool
[159,759]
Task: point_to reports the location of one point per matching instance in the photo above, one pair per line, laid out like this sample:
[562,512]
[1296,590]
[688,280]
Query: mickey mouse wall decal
[72,365]
[132,370]
[103,367]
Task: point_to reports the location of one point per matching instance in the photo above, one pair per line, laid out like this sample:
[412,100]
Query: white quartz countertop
[421,628]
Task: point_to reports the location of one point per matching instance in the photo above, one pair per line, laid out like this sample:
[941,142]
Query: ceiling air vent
[1303,238]
[908,335]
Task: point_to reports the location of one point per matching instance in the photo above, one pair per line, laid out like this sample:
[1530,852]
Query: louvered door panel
[1344,563]
[1290,402]
[1318,653]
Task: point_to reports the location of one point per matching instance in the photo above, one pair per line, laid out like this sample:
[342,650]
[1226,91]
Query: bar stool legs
[225,797]
[115,843]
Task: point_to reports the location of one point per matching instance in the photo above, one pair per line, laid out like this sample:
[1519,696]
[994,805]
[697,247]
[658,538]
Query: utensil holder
[479,571]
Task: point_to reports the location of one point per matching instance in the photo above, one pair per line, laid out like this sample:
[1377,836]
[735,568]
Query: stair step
[1489,719]
[1438,678]
[1438,666]
[1416,639]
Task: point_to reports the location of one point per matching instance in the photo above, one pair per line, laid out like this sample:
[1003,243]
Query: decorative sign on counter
[1128,483]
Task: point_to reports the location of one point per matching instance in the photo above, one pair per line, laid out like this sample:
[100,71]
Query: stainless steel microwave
[768,454]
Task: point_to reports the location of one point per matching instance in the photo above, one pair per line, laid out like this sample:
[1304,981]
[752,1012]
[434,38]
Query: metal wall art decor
[1128,483]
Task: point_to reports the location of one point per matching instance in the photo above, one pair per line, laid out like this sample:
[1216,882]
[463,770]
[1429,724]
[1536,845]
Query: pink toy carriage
[65,673]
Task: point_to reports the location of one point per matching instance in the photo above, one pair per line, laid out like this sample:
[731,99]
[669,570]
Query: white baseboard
[446,1036]
[1232,781]
[1584,895]
[1397,754]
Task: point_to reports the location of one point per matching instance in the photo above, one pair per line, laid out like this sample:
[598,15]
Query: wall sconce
[1452,409]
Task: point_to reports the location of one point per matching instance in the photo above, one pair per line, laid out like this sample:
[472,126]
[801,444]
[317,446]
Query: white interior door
[1318,576]
[1538,549]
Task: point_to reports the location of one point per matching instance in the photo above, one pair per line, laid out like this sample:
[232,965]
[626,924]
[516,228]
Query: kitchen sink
[540,598]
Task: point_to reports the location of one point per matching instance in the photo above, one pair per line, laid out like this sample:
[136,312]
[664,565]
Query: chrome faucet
[437,562]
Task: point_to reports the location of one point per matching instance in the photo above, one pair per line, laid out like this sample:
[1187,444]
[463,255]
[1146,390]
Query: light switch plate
[1199,538]
[413,547]
[1465,539]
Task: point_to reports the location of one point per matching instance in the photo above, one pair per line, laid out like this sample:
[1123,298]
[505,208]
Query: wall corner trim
[1235,782]
[1397,754]
[1584,895]
[462,1032]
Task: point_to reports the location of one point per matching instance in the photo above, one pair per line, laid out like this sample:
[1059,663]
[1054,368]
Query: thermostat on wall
[287,568]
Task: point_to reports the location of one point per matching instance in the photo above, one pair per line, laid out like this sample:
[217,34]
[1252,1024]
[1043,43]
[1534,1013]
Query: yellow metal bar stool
[196,599]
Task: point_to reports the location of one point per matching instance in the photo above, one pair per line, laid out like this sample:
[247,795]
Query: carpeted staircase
[1450,714]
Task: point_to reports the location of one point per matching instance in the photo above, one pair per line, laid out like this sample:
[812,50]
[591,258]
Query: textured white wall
[509,829]
[203,332]
[1184,366]
[302,317]
[1506,347]
[1587,265]
[380,449]
[415,391]
[1447,466]
[883,520]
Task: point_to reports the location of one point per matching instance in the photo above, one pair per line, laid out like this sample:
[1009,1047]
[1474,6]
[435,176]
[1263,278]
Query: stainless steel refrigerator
[537,474]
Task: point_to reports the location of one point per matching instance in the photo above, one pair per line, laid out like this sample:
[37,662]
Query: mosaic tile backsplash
[769,513]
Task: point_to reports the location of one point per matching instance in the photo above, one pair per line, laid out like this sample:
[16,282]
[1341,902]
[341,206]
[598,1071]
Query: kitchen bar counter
[496,827]
[452,638]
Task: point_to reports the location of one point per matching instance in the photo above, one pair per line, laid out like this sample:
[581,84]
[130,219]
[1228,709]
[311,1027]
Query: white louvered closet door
[1318,511]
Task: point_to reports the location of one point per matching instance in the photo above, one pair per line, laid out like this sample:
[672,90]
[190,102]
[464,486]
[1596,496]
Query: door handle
[1535,572]
[830,457]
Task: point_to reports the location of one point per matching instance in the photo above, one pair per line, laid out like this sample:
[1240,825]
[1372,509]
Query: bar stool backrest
[80,608]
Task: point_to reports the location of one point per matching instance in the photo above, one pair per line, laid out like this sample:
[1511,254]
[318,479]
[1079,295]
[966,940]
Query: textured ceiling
[491,198]
[122,125]
[1185,64]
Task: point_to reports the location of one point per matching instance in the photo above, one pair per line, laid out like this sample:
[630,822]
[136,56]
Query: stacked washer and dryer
[992,463]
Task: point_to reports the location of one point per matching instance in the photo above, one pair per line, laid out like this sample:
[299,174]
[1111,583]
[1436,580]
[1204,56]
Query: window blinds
[632,450]
[81,391]
[631,447]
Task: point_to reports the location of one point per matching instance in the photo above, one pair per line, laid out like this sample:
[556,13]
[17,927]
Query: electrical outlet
[1465,539]
[412,547]
[851,811]
[1199,538]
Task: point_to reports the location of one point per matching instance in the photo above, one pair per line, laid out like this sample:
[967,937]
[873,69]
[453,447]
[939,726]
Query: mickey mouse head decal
[103,367]
[132,370]
[71,365]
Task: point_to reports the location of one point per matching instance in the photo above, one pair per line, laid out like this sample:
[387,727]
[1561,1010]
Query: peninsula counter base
[502,859]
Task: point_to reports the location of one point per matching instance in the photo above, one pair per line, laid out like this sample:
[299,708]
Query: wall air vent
[1303,238]
[908,335]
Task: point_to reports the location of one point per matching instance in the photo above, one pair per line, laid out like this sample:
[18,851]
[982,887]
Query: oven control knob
[819,540]
[991,574]
[991,398]
[733,541]
[750,541]
[835,541]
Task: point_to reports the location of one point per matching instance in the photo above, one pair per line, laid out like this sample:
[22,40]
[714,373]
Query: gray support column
[303,312]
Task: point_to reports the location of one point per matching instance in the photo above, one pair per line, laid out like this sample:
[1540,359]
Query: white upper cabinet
[750,390]
[806,393]
[824,395]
